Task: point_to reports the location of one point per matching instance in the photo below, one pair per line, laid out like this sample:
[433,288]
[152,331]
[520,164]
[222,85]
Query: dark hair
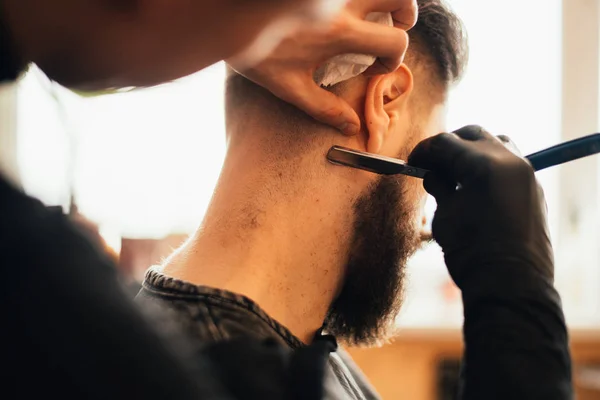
[440,38]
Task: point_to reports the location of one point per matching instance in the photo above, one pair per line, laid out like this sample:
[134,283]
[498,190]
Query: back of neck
[283,248]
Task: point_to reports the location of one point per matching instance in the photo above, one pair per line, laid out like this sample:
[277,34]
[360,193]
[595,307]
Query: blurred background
[139,168]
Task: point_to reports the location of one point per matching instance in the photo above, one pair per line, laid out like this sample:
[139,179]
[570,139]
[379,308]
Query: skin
[288,72]
[105,44]
[98,44]
[280,231]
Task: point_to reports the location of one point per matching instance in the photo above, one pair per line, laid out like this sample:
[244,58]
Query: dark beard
[385,236]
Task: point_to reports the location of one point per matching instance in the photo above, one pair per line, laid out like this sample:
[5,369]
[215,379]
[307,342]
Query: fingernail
[349,129]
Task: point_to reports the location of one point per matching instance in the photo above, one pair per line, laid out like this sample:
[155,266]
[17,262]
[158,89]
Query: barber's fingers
[438,187]
[439,153]
[464,157]
[473,133]
[322,105]
[404,12]
[453,156]
[406,17]
[384,66]
[387,43]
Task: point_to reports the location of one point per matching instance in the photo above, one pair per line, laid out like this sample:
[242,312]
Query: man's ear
[386,101]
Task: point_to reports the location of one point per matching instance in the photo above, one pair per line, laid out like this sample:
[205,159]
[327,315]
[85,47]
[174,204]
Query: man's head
[398,110]
[95,44]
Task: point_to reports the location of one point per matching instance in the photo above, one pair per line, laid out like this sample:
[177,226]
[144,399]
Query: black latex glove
[496,245]
[498,212]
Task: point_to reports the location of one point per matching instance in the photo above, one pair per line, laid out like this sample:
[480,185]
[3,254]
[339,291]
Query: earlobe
[385,100]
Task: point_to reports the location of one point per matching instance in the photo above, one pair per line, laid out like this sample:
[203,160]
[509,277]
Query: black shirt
[212,315]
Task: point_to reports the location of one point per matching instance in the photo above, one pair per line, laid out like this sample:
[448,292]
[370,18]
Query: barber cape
[252,354]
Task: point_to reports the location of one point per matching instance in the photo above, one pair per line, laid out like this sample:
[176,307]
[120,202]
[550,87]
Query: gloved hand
[495,221]
[288,71]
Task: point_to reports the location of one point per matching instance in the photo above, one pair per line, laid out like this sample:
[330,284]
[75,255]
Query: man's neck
[276,237]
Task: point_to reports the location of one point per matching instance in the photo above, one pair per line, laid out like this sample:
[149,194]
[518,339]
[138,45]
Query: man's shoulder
[237,336]
[210,315]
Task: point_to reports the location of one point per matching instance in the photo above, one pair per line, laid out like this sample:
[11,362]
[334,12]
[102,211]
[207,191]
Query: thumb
[322,105]
[510,145]
[441,189]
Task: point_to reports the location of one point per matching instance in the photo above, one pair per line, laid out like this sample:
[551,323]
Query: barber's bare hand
[288,72]
[497,216]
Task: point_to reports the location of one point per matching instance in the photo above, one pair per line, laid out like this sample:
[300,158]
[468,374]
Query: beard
[384,238]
